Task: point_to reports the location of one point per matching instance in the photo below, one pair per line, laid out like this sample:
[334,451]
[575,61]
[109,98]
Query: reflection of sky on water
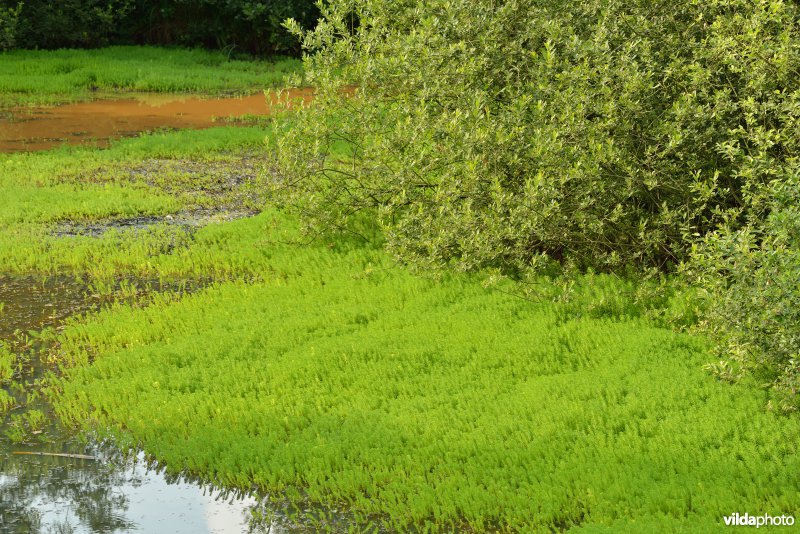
[43,494]
[48,494]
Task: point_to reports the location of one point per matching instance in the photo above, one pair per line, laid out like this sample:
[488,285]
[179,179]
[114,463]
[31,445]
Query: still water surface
[54,494]
[100,121]
[43,493]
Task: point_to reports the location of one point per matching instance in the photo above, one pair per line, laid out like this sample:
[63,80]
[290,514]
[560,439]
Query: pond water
[63,494]
[50,487]
[99,121]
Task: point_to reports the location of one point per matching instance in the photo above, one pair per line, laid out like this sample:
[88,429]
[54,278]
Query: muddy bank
[100,121]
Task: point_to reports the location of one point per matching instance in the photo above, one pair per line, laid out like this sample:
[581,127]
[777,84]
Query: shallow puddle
[100,121]
[41,493]
[32,303]
[62,486]
[187,221]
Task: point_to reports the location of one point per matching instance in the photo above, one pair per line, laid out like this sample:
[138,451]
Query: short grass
[42,77]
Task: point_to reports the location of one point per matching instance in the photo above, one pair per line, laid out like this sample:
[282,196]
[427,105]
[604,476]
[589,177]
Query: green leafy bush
[599,133]
[515,135]
[752,278]
[69,23]
[236,25]
[9,18]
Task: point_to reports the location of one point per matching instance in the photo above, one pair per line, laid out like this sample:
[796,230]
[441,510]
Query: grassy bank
[43,77]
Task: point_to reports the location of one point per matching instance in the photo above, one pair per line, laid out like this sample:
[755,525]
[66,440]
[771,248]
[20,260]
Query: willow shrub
[513,135]
[753,275]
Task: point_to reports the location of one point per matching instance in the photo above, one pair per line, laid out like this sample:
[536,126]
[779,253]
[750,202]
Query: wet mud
[100,121]
[188,221]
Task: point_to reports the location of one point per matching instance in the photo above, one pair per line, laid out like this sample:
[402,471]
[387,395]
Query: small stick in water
[58,454]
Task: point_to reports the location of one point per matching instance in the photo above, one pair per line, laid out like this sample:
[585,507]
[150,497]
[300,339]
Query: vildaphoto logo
[765,520]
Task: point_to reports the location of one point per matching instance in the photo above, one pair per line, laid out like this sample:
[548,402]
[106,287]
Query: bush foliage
[9,19]
[237,25]
[513,135]
[753,280]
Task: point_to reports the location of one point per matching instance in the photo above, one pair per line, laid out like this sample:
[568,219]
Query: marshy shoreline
[157,301]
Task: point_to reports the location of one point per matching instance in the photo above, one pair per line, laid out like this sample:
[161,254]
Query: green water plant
[7,364]
[430,404]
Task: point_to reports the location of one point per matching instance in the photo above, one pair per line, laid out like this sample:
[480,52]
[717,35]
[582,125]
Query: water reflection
[56,494]
[43,492]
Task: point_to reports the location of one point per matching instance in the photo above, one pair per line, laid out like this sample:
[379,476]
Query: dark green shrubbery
[9,19]
[69,23]
[514,135]
[238,25]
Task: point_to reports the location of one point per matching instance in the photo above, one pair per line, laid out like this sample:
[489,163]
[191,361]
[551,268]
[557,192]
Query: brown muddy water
[100,121]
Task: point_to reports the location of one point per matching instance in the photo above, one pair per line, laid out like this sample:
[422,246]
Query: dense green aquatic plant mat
[39,76]
[153,175]
[435,404]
